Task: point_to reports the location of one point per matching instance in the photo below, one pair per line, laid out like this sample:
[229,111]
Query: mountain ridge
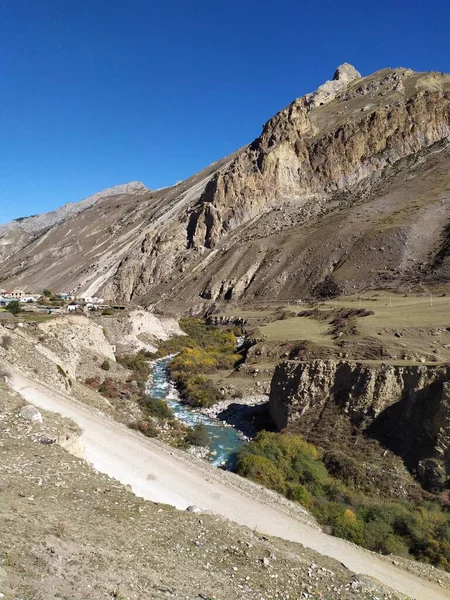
[259,223]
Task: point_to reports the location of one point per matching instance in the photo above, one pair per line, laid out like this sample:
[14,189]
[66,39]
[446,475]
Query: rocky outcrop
[310,148]
[405,408]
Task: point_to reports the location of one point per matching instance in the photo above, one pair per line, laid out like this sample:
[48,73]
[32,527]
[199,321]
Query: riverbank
[226,440]
[240,413]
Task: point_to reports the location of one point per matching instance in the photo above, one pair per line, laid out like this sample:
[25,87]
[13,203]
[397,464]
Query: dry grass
[297,328]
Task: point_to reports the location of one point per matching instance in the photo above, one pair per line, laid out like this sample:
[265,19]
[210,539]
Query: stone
[193,509]
[31,413]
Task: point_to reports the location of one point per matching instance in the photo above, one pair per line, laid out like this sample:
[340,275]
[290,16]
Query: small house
[73,306]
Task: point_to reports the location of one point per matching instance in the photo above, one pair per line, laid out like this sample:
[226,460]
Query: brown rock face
[305,150]
[404,408]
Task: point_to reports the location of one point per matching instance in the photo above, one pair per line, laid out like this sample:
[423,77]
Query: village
[49,302]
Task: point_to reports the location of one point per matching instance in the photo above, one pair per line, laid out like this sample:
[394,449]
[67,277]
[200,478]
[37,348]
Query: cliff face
[405,408]
[325,142]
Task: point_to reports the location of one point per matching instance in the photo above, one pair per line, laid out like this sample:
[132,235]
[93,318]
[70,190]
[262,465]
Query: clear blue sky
[99,92]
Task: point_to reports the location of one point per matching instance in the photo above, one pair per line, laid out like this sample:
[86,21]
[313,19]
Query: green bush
[107,312]
[138,364]
[290,466]
[155,407]
[105,365]
[13,307]
[198,436]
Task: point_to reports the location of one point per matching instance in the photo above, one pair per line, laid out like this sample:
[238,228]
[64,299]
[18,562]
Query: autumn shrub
[109,388]
[289,465]
[144,426]
[92,382]
[205,350]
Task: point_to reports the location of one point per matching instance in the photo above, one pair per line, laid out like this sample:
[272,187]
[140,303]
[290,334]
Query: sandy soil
[161,474]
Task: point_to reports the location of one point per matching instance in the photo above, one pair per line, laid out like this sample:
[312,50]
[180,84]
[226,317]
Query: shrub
[109,388]
[205,350]
[105,365]
[155,407]
[146,427]
[107,312]
[328,288]
[47,293]
[138,364]
[198,436]
[263,471]
[13,307]
[6,342]
[289,465]
[92,382]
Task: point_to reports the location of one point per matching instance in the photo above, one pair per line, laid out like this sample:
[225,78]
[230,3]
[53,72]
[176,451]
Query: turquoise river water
[225,440]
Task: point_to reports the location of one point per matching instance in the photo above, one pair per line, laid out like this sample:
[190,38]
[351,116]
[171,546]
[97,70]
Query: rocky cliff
[351,179]
[405,408]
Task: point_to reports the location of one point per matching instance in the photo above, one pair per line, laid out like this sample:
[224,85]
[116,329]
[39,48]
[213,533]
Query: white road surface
[160,475]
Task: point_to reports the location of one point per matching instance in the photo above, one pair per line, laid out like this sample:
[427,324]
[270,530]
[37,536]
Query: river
[225,440]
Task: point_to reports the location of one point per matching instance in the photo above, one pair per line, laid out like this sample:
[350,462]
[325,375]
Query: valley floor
[162,474]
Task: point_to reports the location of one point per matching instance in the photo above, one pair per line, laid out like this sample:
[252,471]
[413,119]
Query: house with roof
[74,306]
[15,294]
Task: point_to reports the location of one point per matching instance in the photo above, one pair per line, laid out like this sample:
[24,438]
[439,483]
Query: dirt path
[161,474]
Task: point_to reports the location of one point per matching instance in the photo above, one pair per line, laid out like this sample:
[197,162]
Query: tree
[13,307]
[47,293]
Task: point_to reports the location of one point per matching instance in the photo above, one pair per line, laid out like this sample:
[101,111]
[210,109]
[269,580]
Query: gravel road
[162,474]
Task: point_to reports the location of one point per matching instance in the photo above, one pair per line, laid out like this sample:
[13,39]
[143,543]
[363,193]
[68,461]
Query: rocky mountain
[20,231]
[351,180]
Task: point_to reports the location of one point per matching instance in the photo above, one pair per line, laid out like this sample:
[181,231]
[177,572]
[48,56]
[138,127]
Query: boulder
[31,413]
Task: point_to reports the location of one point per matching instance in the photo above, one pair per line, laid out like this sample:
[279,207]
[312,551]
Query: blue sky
[99,92]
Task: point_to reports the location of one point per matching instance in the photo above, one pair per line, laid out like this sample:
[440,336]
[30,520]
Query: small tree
[105,365]
[13,307]
[47,293]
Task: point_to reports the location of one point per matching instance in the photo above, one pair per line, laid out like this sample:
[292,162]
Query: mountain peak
[346,73]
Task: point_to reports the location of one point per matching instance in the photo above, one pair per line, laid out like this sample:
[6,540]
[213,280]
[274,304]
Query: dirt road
[161,474]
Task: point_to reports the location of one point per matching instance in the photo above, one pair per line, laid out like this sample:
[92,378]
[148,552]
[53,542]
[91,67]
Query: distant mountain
[352,181]
[15,234]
